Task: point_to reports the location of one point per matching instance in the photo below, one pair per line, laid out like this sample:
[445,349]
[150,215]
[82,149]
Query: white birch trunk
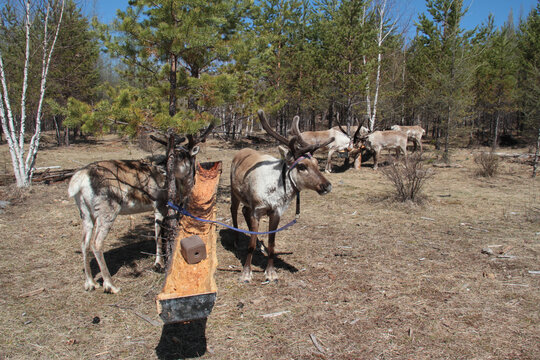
[381,37]
[8,126]
[23,170]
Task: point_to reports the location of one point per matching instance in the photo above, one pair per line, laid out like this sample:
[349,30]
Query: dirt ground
[363,276]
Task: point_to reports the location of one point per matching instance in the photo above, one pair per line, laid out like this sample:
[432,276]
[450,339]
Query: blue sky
[478,11]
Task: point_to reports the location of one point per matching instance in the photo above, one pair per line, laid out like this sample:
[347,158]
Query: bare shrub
[408,177]
[488,164]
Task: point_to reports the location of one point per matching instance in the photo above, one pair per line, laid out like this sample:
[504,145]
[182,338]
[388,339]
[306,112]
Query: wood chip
[505,257]
[279,313]
[534,272]
[506,249]
[316,343]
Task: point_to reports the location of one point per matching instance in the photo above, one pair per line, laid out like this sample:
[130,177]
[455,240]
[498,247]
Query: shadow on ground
[182,340]
[259,259]
[127,255]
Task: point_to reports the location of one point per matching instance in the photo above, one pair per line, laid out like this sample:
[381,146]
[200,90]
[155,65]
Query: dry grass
[370,278]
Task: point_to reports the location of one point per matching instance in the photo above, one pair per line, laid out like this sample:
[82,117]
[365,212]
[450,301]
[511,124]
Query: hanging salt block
[193,249]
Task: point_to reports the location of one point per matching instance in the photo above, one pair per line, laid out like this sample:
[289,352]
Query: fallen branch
[138,314]
[32,293]
[146,318]
[444,165]
[53,176]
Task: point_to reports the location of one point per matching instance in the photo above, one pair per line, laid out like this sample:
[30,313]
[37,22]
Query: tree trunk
[24,168]
[535,166]
[66,137]
[171,222]
[495,132]
[57,131]
[446,157]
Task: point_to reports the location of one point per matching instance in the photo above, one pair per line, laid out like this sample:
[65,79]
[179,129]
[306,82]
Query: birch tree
[384,29]
[14,118]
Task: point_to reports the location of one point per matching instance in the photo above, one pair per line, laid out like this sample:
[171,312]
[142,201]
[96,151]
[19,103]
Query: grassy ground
[365,276]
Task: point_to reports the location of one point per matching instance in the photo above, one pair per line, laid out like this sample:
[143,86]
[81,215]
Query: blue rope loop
[185,212]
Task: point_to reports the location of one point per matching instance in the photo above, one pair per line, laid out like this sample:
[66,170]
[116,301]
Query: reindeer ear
[286,154]
[194,151]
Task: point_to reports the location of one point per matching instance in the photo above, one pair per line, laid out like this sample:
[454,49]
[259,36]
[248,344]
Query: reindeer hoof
[110,288]
[90,286]
[271,275]
[246,277]
[159,268]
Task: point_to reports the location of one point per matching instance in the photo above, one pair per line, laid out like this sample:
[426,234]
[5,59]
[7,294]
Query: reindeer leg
[103,226]
[270,272]
[358,161]
[88,228]
[375,160]
[246,272]
[235,202]
[328,168]
[159,264]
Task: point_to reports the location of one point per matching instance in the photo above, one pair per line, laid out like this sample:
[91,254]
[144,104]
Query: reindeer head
[297,153]
[185,159]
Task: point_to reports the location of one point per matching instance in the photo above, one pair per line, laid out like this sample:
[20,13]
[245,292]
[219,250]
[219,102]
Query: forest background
[176,66]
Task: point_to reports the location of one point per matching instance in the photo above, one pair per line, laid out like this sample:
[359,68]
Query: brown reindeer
[414,133]
[105,189]
[379,140]
[266,186]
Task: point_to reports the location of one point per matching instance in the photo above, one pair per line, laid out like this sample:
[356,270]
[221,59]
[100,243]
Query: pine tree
[346,37]
[444,68]
[172,48]
[74,71]
[529,72]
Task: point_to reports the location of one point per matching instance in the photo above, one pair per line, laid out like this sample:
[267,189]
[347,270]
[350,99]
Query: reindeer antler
[178,139]
[305,146]
[192,141]
[266,126]
[297,144]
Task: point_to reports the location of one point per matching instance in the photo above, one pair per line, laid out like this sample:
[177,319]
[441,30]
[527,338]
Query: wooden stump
[190,290]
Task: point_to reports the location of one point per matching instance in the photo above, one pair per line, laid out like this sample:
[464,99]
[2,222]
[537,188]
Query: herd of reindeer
[263,184]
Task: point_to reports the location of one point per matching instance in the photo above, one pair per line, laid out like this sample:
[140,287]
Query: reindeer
[105,189]
[341,140]
[266,186]
[379,140]
[414,133]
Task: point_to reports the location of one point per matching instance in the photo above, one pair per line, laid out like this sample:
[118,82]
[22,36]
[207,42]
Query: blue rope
[185,212]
